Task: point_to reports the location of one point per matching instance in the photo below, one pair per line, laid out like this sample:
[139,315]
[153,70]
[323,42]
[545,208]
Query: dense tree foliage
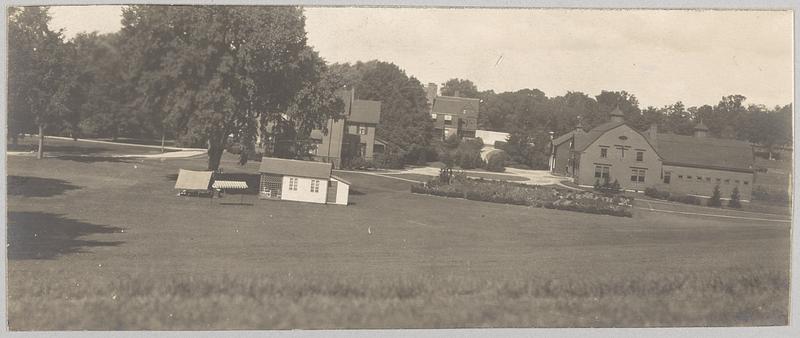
[40,77]
[462,87]
[405,123]
[219,76]
[217,73]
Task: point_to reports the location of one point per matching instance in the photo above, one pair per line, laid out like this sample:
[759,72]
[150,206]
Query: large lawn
[106,244]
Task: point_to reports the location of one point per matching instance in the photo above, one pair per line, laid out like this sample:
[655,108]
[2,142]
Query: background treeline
[216,76]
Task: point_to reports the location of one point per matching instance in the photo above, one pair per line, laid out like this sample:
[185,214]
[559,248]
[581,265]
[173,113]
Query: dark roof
[365,111]
[281,166]
[705,152]
[455,105]
[341,179]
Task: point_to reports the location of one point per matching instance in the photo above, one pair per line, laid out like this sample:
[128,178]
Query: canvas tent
[190,180]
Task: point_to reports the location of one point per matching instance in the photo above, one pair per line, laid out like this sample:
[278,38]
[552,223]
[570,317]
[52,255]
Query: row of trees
[529,115]
[216,76]
[205,75]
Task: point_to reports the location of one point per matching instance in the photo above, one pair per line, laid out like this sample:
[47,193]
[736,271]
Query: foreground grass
[727,298]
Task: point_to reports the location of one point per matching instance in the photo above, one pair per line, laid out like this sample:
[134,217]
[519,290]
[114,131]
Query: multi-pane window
[639,156]
[601,172]
[667,177]
[433,116]
[448,119]
[603,152]
[637,175]
[293,183]
[727,181]
[680,176]
[314,185]
[362,130]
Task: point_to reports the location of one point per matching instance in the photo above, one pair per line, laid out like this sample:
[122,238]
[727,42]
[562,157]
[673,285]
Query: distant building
[304,181]
[354,134]
[453,114]
[690,165]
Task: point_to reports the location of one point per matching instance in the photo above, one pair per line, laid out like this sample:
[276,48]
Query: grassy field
[105,244]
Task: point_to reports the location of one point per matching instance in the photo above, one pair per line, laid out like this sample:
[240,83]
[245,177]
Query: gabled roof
[282,166]
[365,111]
[340,179]
[563,138]
[584,141]
[455,105]
[705,152]
[193,180]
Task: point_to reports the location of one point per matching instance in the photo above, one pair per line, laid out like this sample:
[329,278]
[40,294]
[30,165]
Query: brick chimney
[431,91]
[652,134]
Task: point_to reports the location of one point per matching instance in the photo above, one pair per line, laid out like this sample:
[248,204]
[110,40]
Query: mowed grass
[108,245]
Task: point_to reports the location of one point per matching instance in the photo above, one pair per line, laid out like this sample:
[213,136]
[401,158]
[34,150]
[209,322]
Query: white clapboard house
[304,181]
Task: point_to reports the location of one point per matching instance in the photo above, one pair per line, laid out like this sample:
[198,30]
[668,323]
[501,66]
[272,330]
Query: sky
[661,56]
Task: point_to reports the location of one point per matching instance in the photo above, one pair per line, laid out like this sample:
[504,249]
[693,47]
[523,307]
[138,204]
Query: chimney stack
[431,91]
[652,133]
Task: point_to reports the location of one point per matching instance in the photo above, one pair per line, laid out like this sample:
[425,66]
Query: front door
[332,187]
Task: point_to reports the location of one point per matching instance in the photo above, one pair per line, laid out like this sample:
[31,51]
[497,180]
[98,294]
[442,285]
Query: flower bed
[531,195]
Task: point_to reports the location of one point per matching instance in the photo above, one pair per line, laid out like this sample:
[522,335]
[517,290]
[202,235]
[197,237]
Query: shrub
[358,163]
[496,164]
[608,188]
[655,193]
[762,194]
[715,200]
[391,160]
[734,201]
[468,159]
[686,199]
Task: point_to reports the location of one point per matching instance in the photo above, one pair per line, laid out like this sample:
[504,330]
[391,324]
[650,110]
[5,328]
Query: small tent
[195,181]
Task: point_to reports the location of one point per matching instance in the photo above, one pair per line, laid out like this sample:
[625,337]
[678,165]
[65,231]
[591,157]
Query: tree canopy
[219,73]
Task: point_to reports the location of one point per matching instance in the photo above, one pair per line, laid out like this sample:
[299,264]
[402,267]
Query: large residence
[353,135]
[691,165]
[453,114]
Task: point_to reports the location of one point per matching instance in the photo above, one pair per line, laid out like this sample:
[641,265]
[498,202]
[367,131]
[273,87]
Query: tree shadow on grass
[40,235]
[28,186]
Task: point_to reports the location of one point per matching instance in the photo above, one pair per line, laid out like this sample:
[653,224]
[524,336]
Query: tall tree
[404,107]
[217,71]
[627,102]
[39,77]
[462,87]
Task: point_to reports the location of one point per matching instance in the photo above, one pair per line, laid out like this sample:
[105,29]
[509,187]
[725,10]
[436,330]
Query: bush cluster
[762,194]
[608,187]
[666,195]
[450,185]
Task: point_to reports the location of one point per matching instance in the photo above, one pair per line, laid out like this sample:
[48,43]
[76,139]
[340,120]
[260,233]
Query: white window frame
[448,117]
[293,183]
[433,116]
[362,130]
[315,186]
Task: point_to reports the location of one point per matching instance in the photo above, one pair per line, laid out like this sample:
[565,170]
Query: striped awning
[229,185]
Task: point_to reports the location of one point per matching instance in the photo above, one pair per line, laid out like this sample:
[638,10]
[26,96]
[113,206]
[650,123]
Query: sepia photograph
[262,167]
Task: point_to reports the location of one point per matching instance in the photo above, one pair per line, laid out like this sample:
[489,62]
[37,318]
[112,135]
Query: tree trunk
[40,154]
[215,149]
